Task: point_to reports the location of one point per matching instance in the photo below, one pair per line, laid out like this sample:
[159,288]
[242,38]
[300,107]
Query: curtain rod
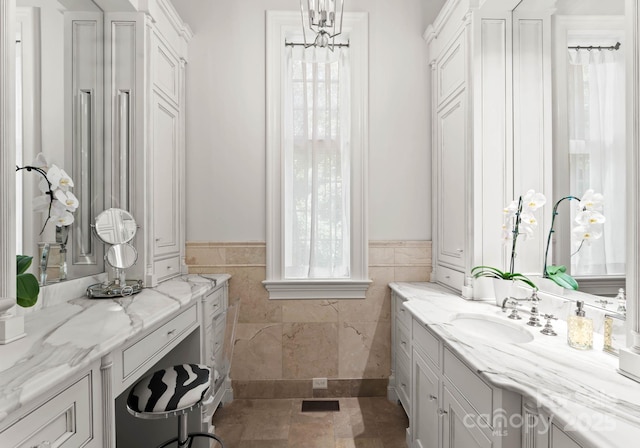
[611,48]
[300,44]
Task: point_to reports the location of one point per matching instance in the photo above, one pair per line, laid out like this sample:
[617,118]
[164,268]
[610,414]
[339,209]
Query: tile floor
[363,422]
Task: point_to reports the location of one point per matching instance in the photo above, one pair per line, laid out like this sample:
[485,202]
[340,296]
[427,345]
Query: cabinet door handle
[171,332]
[432,398]
[459,250]
[403,385]
[442,412]
[403,343]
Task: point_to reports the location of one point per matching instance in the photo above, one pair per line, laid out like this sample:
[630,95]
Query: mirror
[122,256]
[588,149]
[116,227]
[59,113]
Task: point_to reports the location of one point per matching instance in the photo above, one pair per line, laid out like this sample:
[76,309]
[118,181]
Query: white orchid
[586,234]
[591,201]
[59,178]
[589,218]
[56,200]
[532,201]
[67,198]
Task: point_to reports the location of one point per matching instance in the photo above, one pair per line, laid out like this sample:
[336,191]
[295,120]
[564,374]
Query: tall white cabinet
[147,91]
[471,51]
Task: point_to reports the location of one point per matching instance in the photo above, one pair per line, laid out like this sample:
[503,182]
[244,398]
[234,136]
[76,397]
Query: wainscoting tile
[364,350]
[412,273]
[258,352]
[309,350]
[381,256]
[310,311]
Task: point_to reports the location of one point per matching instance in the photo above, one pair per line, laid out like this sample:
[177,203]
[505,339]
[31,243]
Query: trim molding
[7,149]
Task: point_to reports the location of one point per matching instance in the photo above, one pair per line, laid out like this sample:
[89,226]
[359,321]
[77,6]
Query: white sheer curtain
[317,164]
[597,153]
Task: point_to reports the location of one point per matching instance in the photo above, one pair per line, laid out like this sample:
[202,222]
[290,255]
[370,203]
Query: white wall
[226,118]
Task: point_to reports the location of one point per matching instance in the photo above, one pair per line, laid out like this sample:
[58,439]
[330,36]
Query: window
[316,163]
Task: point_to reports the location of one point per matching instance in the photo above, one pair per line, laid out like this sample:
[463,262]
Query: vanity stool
[173,391]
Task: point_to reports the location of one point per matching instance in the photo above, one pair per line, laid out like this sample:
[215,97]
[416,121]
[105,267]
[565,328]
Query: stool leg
[183,432]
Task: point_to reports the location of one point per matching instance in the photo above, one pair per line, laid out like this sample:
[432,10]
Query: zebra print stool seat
[173,392]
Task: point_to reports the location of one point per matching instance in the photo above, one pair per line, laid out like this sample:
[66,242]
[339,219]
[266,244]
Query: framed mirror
[59,113]
[581,123]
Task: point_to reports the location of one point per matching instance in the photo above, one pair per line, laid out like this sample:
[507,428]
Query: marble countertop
[581,390]
[67,337]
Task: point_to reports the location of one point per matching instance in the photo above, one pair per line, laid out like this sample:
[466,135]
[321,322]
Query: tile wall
[282,344]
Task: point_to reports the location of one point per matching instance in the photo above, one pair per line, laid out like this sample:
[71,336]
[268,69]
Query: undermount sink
[491,328]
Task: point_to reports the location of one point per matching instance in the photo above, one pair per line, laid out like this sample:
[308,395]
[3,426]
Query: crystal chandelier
[324,19]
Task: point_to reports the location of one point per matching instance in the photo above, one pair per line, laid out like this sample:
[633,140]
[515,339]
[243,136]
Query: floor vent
[320,405]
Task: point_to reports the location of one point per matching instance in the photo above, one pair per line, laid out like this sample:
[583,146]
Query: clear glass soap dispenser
[580,329]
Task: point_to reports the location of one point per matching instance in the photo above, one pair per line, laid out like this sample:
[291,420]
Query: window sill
[316,289]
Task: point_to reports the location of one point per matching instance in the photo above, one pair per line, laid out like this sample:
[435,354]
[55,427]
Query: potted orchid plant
[588,227]
[519,219]
[59,203]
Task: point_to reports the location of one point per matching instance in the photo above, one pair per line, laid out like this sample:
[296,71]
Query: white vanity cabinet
[400,379]
[540,432]
[451,406]
[147,108]
[214,312]
[469,53]
[67,417]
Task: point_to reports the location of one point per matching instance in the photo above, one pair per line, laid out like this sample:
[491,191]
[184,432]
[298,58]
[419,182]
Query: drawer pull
[45,444]
[447,277]
[442,412]
[403,343]
[402,310]
[432,398]
[403,385]
[171,333]
[169,268]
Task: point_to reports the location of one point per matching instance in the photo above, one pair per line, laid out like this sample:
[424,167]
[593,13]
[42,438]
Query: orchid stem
[516,232]
[553,220]
[43,173]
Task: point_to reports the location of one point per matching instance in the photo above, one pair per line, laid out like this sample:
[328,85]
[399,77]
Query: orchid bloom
[591,201]
[590,217]
[532,201]
[59,178]
[68,199]
[586,233]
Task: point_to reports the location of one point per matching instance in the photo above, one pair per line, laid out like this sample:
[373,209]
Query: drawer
[403,341]
[64,421]
[403,386]
[402,314]
[471,387]
[214,303]
[450,277]
[426,342]
[167,268]
[146,348]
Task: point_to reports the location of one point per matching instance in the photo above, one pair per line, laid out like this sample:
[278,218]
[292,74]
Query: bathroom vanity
[65,384]
[501,383]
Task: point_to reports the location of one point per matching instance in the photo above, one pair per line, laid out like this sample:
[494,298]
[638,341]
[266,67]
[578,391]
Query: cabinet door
[424,409]
[451,151]
[460,430]
[560,439]
[166,182]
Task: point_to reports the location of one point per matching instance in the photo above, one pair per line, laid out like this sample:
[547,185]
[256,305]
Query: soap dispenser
[580,329]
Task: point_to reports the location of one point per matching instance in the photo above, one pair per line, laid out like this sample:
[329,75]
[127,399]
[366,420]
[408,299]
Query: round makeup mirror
[115,226]
[122,256]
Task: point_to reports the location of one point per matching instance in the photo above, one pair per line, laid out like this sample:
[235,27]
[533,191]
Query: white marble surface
[580,390]
[68,336]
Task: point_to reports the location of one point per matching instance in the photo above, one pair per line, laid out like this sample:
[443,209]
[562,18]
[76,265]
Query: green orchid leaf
[24,261]
[27,290]
[563,279]
[552,270]
[489,271]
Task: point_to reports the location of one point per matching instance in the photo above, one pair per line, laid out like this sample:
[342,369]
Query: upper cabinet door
[166,181]
[451,183]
